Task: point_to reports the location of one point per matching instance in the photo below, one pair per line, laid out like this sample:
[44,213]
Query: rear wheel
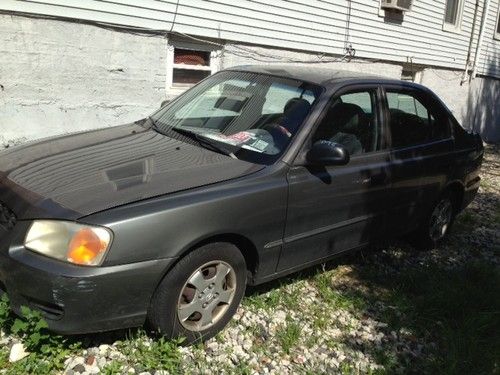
[436,225]
[200,294]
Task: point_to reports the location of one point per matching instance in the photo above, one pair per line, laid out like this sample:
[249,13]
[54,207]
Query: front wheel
[436,226]
[200,294]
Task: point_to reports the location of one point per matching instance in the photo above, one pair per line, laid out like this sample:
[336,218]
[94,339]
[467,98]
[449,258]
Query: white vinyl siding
[313,26]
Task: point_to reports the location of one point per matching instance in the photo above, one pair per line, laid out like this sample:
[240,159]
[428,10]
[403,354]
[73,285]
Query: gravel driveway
[384,310]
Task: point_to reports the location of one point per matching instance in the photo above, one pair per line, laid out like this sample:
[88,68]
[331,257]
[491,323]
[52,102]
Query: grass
[465,220]
[496,214]
[458,309]
[288,295]
[288,335]
[335,298]
[146,354]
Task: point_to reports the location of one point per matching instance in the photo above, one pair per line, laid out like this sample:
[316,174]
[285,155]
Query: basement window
[188,64]
[453,15]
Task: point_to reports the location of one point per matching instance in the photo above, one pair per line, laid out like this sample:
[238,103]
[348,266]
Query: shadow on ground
[447,299]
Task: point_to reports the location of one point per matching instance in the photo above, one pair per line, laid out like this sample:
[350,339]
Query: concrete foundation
[58,77]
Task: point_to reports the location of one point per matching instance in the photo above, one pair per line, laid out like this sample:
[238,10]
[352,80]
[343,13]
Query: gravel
[288,328]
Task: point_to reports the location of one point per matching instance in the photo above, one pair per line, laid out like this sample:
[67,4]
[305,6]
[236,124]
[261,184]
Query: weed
[47,351]
[267,301]
[242,368]
[112,368]
[467,218]
[5,313]
[289,335]
[150,355]
[353,300]
[4,358]
[290,298]
[496,215]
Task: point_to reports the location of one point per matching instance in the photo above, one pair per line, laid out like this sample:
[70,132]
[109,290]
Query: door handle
[366,180]
[378,179]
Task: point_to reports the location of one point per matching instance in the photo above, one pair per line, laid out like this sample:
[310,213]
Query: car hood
[76,175]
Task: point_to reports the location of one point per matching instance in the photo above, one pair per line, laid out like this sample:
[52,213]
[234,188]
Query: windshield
[249,116]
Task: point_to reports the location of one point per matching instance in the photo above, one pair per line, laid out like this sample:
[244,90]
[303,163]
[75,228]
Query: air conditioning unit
[402,5]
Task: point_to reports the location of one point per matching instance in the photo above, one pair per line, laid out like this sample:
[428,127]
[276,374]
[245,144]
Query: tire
[436,225]
[200,294]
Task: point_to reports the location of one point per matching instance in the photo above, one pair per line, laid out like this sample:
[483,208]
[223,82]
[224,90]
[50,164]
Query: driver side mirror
[327,153]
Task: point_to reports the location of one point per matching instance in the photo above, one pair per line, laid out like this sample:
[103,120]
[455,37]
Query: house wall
[58,77]
[321,26]
[475,103]
[483,108]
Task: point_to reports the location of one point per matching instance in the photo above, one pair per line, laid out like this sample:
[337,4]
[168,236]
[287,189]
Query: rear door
[421,145]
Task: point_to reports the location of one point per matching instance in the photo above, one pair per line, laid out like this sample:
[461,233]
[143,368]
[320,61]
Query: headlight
[75,243]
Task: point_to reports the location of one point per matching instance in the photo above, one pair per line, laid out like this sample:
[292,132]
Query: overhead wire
[226,48]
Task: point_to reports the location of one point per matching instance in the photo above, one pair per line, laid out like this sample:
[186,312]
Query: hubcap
[206,296]
[440,219]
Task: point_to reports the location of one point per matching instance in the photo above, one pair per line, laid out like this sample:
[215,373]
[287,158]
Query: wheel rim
[440,219]
[206,295]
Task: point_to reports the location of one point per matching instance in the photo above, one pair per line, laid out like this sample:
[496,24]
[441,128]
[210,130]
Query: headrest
[345,115]
[297,105]
[294,113]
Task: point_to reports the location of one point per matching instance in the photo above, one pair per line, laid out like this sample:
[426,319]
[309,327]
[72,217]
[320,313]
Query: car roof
[320,76]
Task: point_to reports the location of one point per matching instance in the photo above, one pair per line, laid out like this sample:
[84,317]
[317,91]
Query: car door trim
[316,231]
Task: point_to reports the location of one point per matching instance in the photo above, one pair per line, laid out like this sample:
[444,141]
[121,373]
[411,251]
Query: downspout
[481,37]
[468,61]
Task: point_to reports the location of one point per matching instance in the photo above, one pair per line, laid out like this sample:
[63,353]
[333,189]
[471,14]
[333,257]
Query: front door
[336,208]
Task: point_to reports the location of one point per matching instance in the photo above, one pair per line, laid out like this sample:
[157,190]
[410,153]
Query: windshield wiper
[155,126]
[203,141]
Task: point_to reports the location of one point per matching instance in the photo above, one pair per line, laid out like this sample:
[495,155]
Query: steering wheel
[273,127]
[281,135]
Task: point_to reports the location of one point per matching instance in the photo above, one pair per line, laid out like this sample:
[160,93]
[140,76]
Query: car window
[362,99]
[350,120]
[279,95]
[412,122]
[249,116]
[212,103]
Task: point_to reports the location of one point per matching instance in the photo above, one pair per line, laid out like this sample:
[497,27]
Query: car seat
[343,119]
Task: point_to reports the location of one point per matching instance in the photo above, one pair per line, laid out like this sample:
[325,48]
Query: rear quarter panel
[468,158]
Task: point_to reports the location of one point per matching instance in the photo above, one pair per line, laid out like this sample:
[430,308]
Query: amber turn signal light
[85,247]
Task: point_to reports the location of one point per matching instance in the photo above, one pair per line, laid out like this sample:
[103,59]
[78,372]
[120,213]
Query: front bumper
[75,299]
